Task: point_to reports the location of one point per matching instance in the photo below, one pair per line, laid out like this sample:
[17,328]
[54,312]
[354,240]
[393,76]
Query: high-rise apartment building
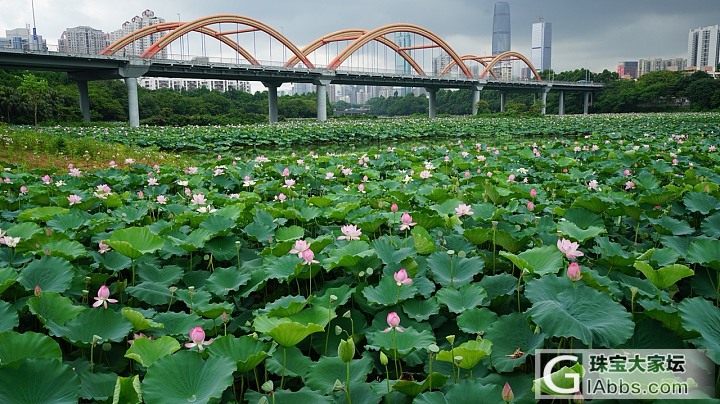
[82,40]
[541,45]
[657,64]
[501,28]
[628,70]
[403,40]
[704,48]
[146,19]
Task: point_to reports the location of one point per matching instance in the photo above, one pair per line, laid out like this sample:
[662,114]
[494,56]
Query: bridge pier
[561,103]
[432,102]
[321,93]
[82,86]
[503,96]
[133,108]
[272,101]
[476,98]
[545,92]
[586,102]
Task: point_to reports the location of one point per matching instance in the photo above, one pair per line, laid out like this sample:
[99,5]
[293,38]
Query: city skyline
[618,30]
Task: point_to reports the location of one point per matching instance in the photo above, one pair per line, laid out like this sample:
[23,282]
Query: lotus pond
[425,273]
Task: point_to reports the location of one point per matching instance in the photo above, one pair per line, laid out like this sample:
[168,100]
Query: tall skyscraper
[704,48]
[501,28]
[403,40]
[541,45]
[146,19]
[82,40]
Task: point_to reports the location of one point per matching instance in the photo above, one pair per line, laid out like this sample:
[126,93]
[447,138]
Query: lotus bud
[383,358]
[37,291]
[346,350]
[267,386]
[507,393]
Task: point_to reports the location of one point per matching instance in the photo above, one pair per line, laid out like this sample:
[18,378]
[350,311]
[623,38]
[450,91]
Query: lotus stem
[282,378]
[347,382]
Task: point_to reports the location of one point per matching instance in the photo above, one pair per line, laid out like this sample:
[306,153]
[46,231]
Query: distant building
[628,70]
[657,64]
[501,28]
[82,40]
[440,62]
[541,45]
[136,48]
[704,48]
[22,38]
[403,40]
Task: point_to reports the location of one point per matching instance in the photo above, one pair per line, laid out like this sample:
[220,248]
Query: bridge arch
[169,26]
[393,28]
[351,34]
[511,55]
[480,59]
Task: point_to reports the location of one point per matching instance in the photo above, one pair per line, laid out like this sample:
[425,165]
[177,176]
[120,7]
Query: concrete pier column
[476,98]
[84,100]
[586,102]
[545,92]
[133,108]
[502,101]
[321,92]
[432,102]
[561,103]
[272,101]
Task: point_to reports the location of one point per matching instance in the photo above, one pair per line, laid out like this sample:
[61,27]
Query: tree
[704,94]
[35,88]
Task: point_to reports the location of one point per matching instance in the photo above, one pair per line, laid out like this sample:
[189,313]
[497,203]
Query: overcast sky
[586,33]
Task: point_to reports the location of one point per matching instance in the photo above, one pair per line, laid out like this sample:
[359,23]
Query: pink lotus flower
[197,336]
[10,241]
[350,232]
[361,188]
[141,195]
[75,172]
[570,249]
[425,174]
[626,172]
[329,175]
[308,257]
[511,178]
[74,199]
[198,199]
[192,170]
[629,185]
[464,210]
[103,297]
[46,179]
[406,222]
[289,183]
[299,247]
[533,193]
[573,272]
[285,172]
[401,277]
[394,207]
[152,181]
[530,206]
[281,197]
[593,185]
[103,248]
[507,393]
[393,321]
[161,199]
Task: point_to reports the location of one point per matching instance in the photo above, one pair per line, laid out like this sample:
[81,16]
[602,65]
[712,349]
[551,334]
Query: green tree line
[51,98]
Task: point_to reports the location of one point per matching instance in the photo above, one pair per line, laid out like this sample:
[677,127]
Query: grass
[31,149]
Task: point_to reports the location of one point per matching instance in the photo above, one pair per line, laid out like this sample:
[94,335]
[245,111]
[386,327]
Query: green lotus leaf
[262,227]
[701,202]
[186,377]
[572,230]
[246,351]
[513,340]
[702,316]
[565,309]
[224,280]
[127,390]
[478,235]
[8,317]
[476,320]
[421,309]
[112,260]
[591,203]
[303,396]
[472,352]
[413,388]
[41,380]
[561,378]
[285,306]
[499,285]
[214,310]
[52,274]
[193,241]
[65,222]
[53,307]
[138,320]
[583,218]
[291,233]
[294,363]
[423,242]
[150,292]
[284,331]
[323,373]
[164,275]
[467,297]
[711,226]
[94,385]
[670,225]
[704,251]
[67,249]
[388,293]
[92,323]
[178,323]
[8,276]
[390,254]
[342,293]
[657,197]
[146,351]
[349,255]
[29,345]
[405,343]
[453,271]
[664,277]
[217,224]
[133,242]
[130,214]
[41,214]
